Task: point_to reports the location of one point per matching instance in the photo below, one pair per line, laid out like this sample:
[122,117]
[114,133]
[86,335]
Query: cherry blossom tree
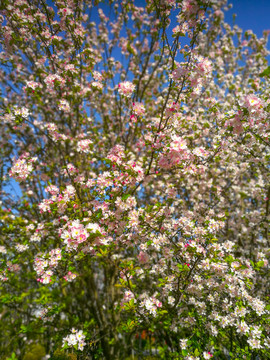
[136,135]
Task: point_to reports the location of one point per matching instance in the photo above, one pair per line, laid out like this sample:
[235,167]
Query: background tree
[139,137]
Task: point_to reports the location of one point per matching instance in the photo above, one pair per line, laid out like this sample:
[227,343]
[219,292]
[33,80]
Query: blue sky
[251,15]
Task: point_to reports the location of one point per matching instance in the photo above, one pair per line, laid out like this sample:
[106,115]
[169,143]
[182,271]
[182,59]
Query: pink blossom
[143,257]
[126,88]
[138,108]
[253,103]
[83,146]
[70,276]
[22,167]
[64,105]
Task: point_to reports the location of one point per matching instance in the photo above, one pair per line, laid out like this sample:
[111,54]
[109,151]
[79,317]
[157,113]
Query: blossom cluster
[22,167]
[83,146]
[197,74]
[74,233]
[64,105]
[176,153]
[126,88]
[23,112]
[76,339]
[60,200]
[70,276]
[44,265]
[150,304]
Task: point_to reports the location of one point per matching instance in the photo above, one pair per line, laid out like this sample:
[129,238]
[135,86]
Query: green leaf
[260,263]
[130,49]
[13,357]
[266,72]
[196,352]
[125,196]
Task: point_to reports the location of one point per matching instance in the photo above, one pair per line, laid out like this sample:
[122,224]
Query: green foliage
[35,352]
[266,72]
[13,357]
[60,354]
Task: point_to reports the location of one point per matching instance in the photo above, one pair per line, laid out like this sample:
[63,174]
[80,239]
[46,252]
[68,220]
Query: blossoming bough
[140,145]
